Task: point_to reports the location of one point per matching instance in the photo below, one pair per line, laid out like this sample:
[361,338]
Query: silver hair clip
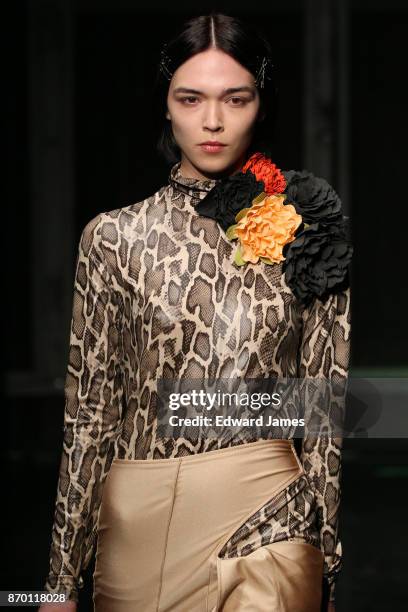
[165,62]
[260,77]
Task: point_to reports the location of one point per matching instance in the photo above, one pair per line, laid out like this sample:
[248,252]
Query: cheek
[243,122]
[183,124]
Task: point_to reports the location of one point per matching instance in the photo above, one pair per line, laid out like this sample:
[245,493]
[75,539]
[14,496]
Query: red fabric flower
[265,170]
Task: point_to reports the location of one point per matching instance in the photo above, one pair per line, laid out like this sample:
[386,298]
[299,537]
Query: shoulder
[313,196]
[305,178]
[112,237]
[317,259]
[108,227]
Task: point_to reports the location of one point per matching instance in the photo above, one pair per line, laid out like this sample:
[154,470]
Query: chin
[214,162]
[215,170]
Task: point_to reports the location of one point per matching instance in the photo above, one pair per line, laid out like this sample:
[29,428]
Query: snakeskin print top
[156,294]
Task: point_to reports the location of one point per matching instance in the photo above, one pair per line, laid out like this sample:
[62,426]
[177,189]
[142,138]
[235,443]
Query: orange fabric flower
[265,170]
[265,229]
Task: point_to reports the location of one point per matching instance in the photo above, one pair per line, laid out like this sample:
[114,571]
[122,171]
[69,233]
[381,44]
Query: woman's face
[201,109]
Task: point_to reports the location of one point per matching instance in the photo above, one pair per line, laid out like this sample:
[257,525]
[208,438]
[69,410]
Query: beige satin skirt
[163,522]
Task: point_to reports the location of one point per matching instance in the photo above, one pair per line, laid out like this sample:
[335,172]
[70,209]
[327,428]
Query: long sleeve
[93,405]
[325,354]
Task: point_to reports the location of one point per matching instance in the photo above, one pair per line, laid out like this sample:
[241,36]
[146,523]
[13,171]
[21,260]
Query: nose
[212,119]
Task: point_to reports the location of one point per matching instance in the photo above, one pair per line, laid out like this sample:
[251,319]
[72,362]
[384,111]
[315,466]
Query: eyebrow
[224,91]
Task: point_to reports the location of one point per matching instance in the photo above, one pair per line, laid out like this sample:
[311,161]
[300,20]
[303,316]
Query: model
[233,270]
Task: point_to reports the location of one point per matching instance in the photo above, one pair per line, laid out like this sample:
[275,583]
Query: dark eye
[240,100]
[188,98]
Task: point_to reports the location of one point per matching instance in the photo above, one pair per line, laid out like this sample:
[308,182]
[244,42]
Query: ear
[168,115]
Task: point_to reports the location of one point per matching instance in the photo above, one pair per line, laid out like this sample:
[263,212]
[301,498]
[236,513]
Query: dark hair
[246,44]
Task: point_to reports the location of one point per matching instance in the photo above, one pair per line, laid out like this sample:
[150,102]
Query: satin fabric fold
[283,577]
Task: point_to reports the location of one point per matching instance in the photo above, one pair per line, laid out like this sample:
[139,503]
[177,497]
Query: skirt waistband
[248,447]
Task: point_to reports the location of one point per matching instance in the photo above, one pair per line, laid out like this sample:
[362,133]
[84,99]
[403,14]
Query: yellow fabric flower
[265,228]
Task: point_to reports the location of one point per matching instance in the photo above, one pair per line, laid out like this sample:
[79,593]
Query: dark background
[78,142]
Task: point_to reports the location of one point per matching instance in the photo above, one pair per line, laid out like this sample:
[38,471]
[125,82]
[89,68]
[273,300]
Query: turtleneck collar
[194,187]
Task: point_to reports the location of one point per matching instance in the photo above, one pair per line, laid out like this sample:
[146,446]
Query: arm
[93,393]
[325,354]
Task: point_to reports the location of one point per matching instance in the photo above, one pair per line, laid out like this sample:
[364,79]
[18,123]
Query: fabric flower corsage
[264,229]
[291,217]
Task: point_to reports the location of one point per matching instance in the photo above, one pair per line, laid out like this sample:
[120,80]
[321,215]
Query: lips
[212,147]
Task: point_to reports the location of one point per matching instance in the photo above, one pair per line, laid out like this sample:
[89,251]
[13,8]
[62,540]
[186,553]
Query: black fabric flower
[316,262]
[229,196]
[313,197]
